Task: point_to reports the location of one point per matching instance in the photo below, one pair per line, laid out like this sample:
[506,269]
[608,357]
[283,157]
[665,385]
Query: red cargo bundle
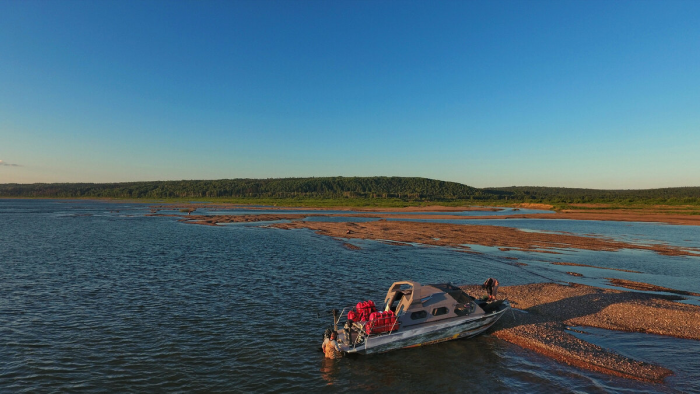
[380,322]
[364,309]
[352,316]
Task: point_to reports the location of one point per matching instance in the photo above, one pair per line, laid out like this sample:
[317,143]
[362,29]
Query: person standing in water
[491,286]
[331,348]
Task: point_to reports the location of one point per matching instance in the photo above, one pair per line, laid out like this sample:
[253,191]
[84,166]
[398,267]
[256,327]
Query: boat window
[398,297]
[419,315]
[440,311]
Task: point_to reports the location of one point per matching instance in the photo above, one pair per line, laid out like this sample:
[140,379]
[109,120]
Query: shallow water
[632,232]
[261,210]
[99,300]
[678,355]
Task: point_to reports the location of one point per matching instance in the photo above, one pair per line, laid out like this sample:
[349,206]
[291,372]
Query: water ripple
[114,303]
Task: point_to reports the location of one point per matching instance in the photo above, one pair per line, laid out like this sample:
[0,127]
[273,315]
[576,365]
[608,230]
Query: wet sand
[213,220]
[593,266]
[441,234]
[628,284]
[618,216]
[527,205]
[552,310]
[458,235]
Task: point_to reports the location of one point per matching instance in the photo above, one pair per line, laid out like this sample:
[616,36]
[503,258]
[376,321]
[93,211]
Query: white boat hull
[422,335]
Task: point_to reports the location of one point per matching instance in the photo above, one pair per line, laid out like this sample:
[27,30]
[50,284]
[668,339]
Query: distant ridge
[326,187]
[410,189]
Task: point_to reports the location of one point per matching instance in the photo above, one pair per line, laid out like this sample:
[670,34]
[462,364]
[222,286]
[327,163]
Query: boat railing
[360,329]
[362,336]
[342,312]
[396,321]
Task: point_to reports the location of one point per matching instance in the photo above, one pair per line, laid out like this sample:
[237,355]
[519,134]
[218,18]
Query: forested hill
[335,187]
[400,189]
[690,195]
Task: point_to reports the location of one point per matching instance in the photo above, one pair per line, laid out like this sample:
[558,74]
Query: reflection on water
[95,298]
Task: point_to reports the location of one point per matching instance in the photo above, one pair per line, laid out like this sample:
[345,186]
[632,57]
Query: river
[96,296]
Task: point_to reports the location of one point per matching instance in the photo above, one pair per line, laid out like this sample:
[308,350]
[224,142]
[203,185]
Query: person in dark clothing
[491,286]
[331,348]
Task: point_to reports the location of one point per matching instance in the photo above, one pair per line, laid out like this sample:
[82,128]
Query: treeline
[557,195]
[354,188]
[332,187]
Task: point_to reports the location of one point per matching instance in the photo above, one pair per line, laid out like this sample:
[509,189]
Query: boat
[415,315]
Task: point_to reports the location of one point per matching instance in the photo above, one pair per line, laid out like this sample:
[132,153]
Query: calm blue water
[99,300]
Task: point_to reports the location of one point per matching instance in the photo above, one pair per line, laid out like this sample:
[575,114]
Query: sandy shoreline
[553,308]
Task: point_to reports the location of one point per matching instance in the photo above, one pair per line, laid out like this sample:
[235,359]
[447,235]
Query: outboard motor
[347,329]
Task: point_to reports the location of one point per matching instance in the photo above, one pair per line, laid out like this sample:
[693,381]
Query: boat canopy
[409,290]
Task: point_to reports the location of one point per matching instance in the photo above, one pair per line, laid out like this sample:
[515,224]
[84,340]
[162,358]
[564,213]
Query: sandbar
[441,234]
[628,284]
[461,235]
[552,309]
[594,266]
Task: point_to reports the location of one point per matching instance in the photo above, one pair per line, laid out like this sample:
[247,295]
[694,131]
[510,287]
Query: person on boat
[347,328]
[491,286]
[331,348]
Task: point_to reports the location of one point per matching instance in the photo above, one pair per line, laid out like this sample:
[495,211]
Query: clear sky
[599,94]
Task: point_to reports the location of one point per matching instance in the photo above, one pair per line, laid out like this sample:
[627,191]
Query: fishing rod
[333,311]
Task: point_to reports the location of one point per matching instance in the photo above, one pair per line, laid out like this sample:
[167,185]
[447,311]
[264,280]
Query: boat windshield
[455,292]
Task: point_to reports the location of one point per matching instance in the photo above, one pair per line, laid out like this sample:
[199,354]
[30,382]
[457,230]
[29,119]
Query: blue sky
[598,94]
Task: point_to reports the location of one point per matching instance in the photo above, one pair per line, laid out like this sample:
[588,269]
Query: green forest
[557,195]
[345,191]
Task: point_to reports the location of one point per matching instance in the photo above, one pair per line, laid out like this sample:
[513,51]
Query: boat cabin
[414,303]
